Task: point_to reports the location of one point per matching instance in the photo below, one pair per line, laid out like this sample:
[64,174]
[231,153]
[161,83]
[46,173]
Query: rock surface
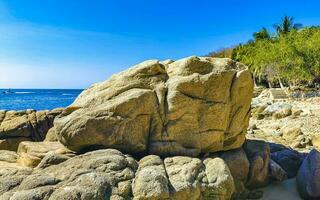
[308,178]
[187,107]
[29,125]
[258,153]
[32,153]
[109,174]
[289,160]
[298,131]
[239,165]
[8,156]
[276,172]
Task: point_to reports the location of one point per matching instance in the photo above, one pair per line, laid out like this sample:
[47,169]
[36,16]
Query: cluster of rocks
[266,108]
[29,125]
[41,170]
[167,130]
[287,121]
[292,123]
[289,134]
[109,174]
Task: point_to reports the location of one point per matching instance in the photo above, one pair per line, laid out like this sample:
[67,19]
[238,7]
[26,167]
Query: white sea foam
[24,92]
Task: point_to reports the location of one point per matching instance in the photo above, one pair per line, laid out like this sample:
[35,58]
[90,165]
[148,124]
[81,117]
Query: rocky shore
[178,130]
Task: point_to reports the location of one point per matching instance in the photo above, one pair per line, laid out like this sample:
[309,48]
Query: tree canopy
[289,56]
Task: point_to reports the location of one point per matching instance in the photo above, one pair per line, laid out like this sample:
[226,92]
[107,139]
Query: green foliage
[222,53]
[287,24]
[263,34]
[290,57]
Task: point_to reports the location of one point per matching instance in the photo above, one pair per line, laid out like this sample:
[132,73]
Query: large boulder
[289,160]
[109,174]
[28,125]
[308,177]
[151,181]
[258,153]
[97,175]
[239,165]
[183,177]
[187,107]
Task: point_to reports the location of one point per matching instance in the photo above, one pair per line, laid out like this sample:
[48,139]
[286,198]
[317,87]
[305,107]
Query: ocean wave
[66,94]
[23,92]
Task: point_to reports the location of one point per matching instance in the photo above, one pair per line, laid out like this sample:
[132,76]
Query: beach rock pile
[159,130]
[109,174]
[186,111]
[28,125]
[294,123]
[190,106]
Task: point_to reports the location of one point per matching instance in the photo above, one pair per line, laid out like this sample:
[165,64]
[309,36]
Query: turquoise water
[37,99]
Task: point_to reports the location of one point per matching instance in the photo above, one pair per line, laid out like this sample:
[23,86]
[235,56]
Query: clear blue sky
[74,43]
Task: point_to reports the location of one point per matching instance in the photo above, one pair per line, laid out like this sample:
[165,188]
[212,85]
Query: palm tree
[287,24]
[261,35]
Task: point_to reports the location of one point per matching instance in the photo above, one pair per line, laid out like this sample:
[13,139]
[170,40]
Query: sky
[75,43]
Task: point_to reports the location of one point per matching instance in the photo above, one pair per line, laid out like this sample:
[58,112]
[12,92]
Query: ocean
[37,99]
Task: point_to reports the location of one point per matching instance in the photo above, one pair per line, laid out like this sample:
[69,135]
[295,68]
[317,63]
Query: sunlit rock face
[185,107]
[26,125]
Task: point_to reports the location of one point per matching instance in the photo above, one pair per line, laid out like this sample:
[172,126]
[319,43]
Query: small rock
[306,112]
[302,141]
[296,112]
[278,110]
[291,131]
[276,172]
[316,142]
[272,132]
